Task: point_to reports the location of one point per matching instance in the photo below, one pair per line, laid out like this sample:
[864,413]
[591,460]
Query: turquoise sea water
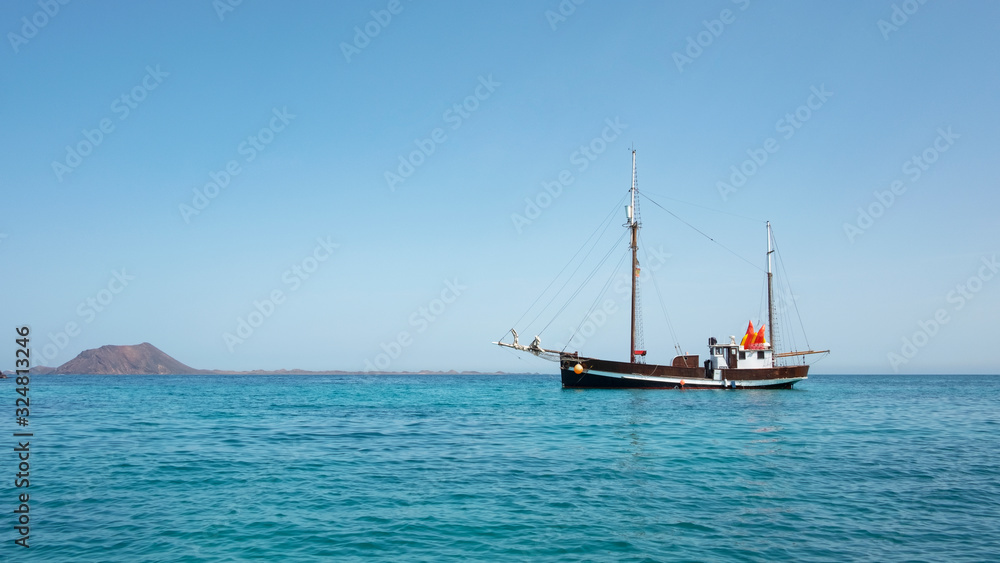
[505,468]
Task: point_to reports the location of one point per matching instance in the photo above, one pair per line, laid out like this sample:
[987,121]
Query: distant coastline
[146,359]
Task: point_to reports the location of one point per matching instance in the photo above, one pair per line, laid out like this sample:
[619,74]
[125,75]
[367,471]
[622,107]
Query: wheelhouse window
[760,355]
[743,355]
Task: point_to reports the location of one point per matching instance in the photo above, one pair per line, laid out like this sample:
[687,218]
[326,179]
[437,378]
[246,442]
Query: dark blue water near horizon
[505,468]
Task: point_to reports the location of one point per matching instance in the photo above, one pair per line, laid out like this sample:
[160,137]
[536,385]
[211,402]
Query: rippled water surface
[494,468]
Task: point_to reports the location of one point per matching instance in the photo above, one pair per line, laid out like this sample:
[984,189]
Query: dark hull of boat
[604,374]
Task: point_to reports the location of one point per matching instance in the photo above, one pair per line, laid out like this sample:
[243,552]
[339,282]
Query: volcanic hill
[140,359]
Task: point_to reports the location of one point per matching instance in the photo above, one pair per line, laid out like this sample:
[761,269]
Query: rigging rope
[585,282]
[606,223]
[638,333]
[708,208]
[761,305]
[726,248]
[663,305]
[600,296]
[784,276]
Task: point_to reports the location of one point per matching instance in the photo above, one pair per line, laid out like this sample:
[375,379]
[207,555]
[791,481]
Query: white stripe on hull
[697,381]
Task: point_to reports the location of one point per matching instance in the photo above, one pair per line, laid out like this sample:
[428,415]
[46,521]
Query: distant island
[146,359]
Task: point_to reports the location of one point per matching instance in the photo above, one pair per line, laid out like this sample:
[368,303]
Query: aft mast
[633,225]
[770,295]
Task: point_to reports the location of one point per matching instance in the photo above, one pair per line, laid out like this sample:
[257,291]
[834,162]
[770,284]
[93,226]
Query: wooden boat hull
[604,374]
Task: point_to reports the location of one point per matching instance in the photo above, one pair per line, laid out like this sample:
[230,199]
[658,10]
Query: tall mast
[633,224]
[770,292]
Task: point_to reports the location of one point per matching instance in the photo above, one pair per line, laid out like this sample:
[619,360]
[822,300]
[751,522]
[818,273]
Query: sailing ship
[752,363]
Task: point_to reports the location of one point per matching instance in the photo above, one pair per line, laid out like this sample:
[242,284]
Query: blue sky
[429,268]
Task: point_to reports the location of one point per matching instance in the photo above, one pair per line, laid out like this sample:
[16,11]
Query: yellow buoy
[578,369]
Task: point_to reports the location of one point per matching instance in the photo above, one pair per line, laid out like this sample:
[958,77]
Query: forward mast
[633,225]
